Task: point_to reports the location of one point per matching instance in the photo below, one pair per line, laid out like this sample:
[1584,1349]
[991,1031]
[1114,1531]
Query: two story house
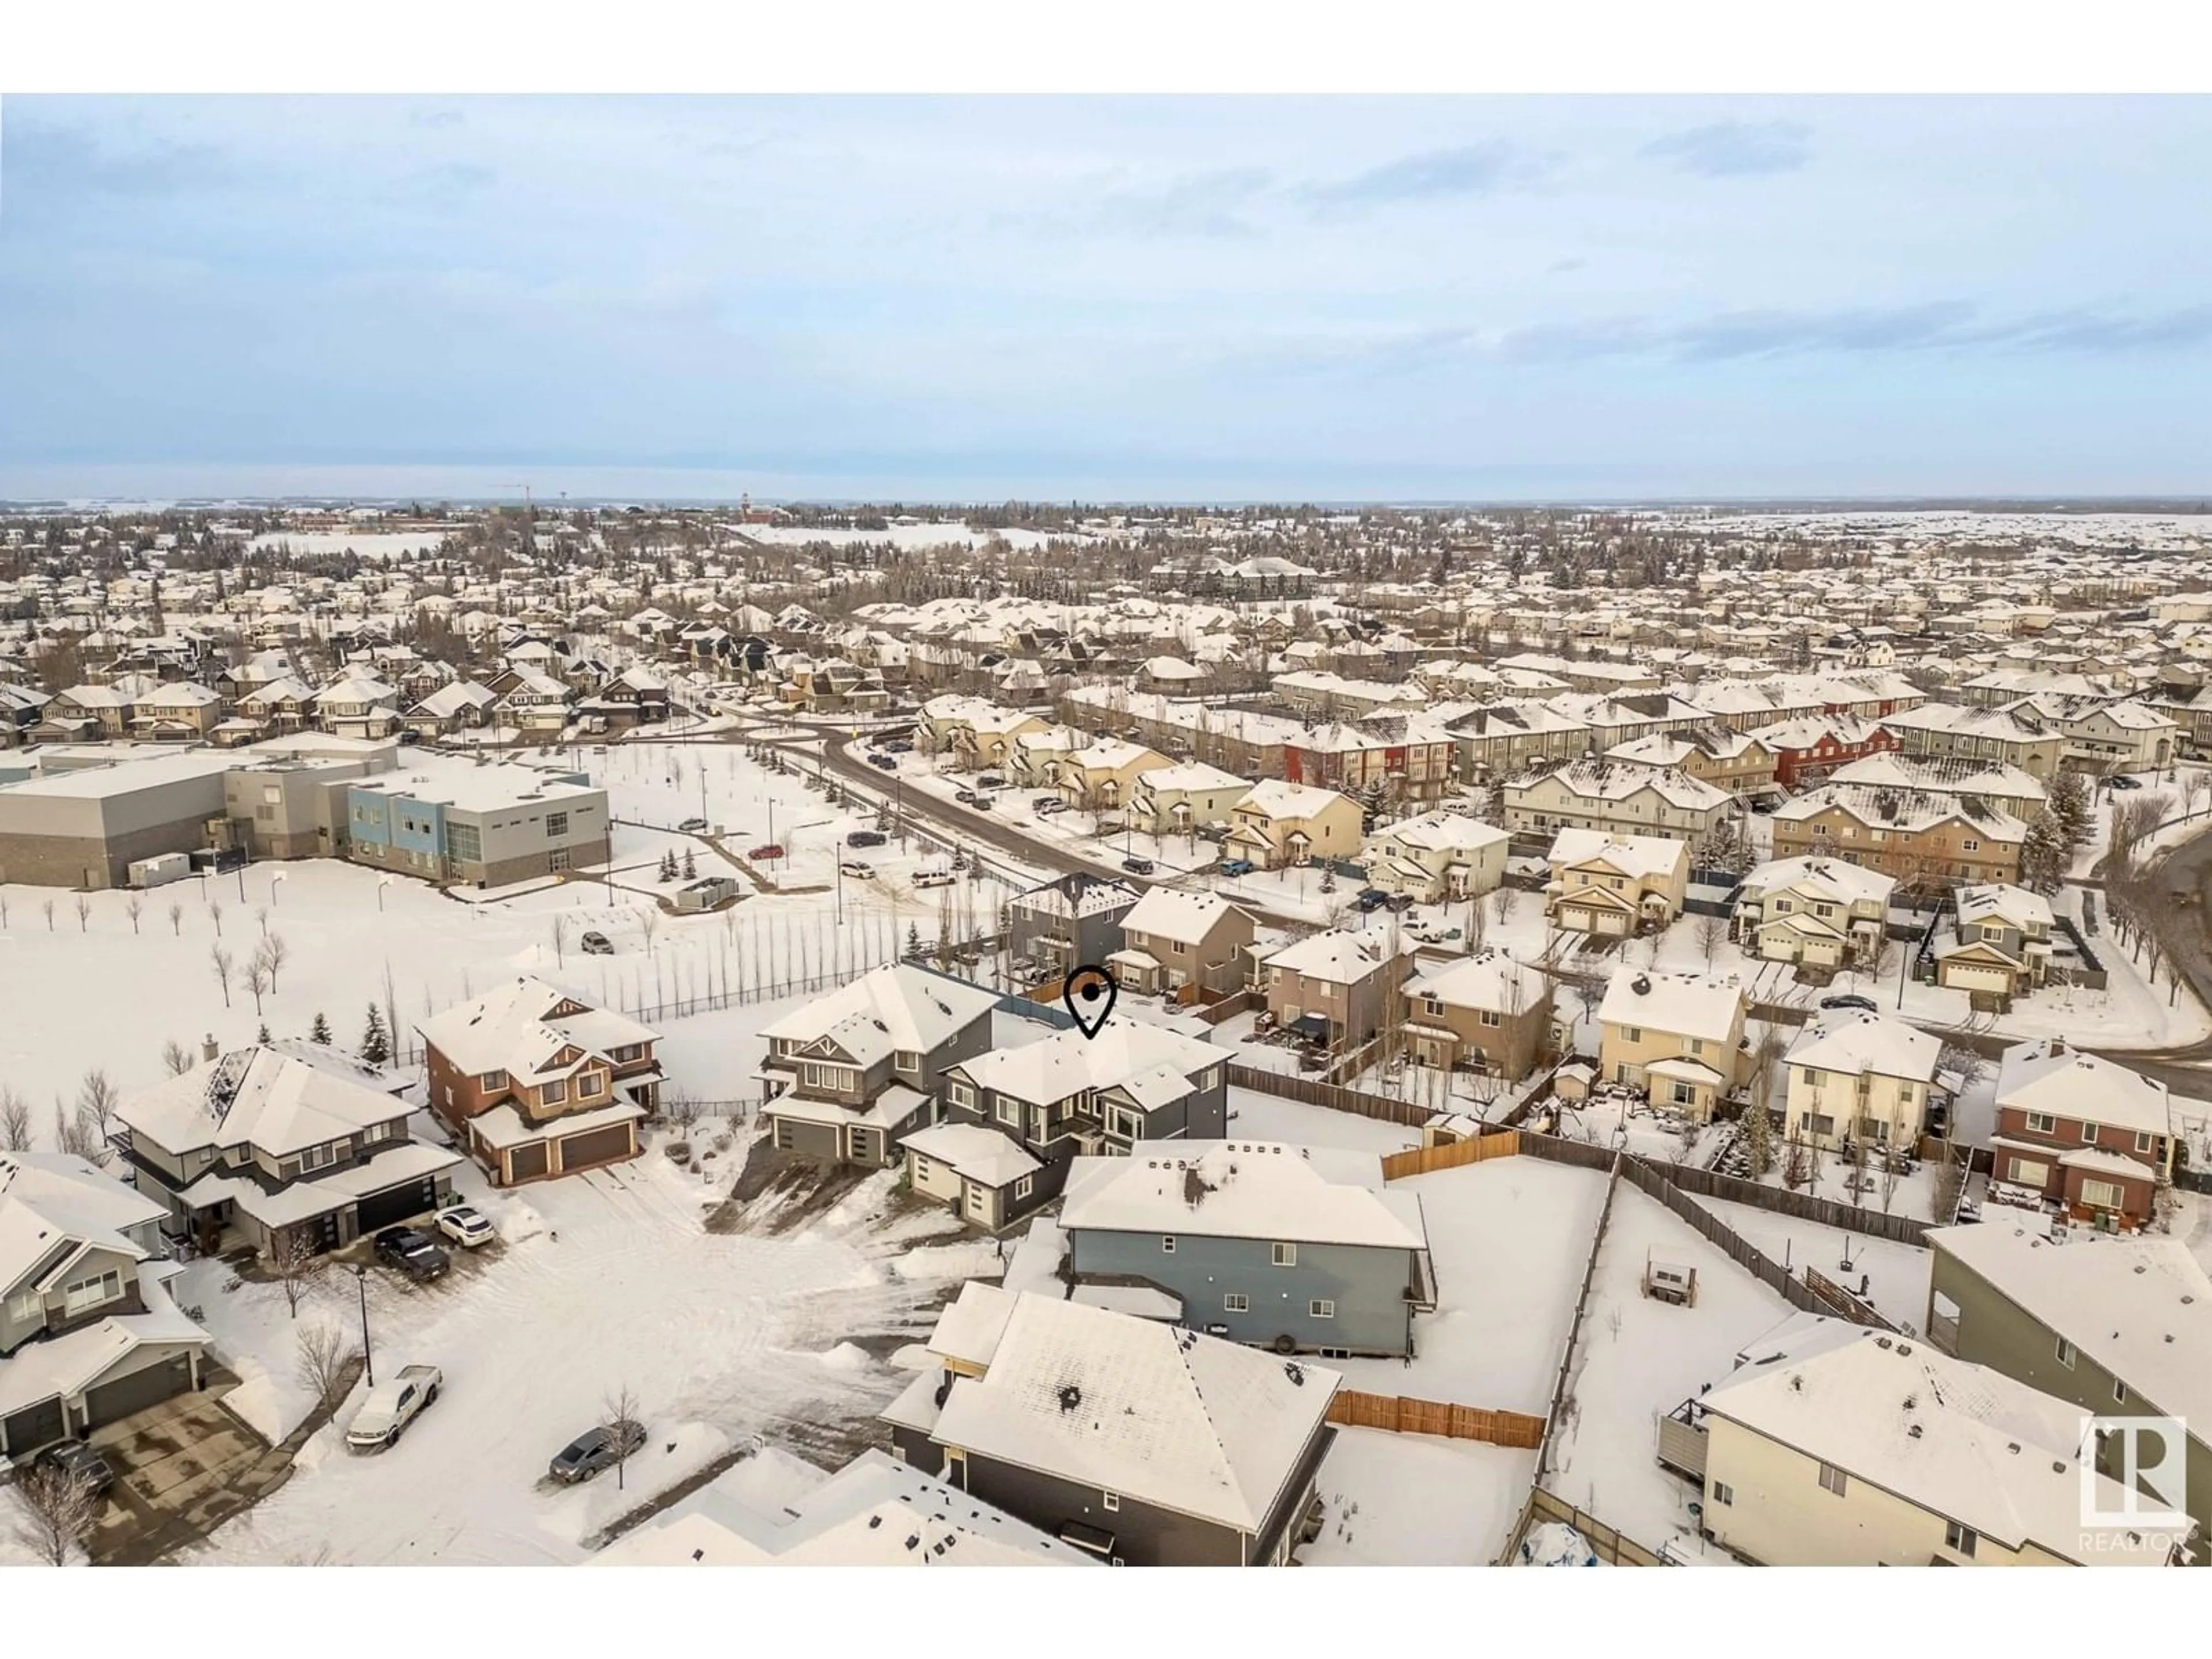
[1618,799]
[1142,1444]
[1184,944]
[264,1146]
[1606,884]
[1438,857]
[1278,825]
[2076,1132]
[1486,1012]
[1924,840]
[1997,946]
[1332,989]
[1184,798]
[357,706]
[1297,1249]
[532,702]
[1069,922]
[857,1070]
[1677,1037]
[1818,911]
[1861,1077]
[459,706]
[89,1331]
[536,1082]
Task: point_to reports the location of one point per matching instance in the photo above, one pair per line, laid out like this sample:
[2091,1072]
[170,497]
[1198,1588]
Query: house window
[627,1053]
[1322,1309]
[1685,1094]
[2119,1392]
[1632,1034]
[1022,1187]
[2041,1123]
[1724,1493]
[318,1157]
[908,1061]
[2144,1142]
[829,1077]
[1821,1123]
[553,1093]
[91,1293]
[589,1084]
[1236,1302]
[1971,846]
[557,823]
[2066,1353]
[962,1094]
[1167,1245]
[2102,1195]
[1109,1500]
[1833,1479]
[1010,1111]
[1286,1256]
[492,1080]
[1490,1017]
[2088,1132]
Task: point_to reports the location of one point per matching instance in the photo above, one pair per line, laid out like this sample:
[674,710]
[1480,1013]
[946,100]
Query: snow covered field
[1414,1500]
[1896,1274]
[603,1282]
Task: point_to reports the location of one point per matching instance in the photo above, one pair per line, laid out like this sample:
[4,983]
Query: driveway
[182,1469]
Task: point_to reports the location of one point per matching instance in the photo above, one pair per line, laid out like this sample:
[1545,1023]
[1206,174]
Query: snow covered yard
[1897,1274]
[1508,1239]
[1271,1117]
[605,1281]
[1415,1500]
[1637,1359]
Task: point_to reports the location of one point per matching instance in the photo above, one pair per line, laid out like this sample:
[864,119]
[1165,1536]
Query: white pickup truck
[391,1406]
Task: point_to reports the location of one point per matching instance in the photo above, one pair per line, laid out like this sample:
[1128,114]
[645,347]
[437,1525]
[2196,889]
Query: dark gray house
[1067,923]
[88,1334]
[854,1071]
[1067,1095]
[1292,1248]
[1145,1444]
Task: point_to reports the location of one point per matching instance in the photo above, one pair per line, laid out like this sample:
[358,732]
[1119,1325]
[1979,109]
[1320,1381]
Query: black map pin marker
[1089,994]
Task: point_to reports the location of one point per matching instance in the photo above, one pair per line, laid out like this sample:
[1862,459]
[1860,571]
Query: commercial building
[483,826]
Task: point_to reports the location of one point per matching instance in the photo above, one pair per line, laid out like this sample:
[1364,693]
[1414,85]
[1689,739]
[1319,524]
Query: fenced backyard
[1356,1410]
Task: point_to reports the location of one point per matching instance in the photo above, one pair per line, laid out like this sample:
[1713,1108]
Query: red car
[771,851]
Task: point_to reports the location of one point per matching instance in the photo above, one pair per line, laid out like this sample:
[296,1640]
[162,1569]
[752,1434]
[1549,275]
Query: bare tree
[221,959]
[257,977]
[261,915]
[15,1122]
[83,912]
[176,1059]
[96,1099]
[1949,1186]
[296,1264]
[177,918]
[276,951]
[134,907]
[322,1361]
[72,1135]
[648,922]
[1712,931]
[47,905]
[617,1412]
[60,1507]
[215,913]
[1957,1057]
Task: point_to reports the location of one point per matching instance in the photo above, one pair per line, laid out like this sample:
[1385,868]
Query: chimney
[209,1048]
[2057,1047]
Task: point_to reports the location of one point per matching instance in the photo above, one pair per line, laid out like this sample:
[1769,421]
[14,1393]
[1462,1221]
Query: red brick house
[1806,752]
[2079,1133]
[535,1082]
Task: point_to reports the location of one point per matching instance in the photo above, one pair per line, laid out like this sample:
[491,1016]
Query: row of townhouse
[1617,796]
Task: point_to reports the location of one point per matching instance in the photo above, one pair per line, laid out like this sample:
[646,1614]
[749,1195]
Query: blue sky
[1113,299]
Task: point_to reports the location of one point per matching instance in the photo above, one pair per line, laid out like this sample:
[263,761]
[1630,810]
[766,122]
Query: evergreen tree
[320,1031]
[913,938]
[2044,853]
[690,866]
[2069,804]
[1759,1140]
[375,1042]
[668,865]
[262,1035]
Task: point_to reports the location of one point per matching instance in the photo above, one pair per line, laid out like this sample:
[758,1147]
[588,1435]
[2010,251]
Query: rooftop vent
[1070,1397]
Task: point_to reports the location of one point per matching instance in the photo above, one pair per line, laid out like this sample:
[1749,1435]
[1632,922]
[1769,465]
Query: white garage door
[1978,979]
[1609,923]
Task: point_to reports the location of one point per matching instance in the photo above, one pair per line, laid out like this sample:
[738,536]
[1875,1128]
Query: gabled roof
[1681,1004]
[1125,1052]
[1242,1190]
[1632,855]
[2048,1075]
[1171,913]
[47,1198]
[1193,1424]
[914,1009]
[1866,1042]
[1489,979]
[514,1028]
[255,1098]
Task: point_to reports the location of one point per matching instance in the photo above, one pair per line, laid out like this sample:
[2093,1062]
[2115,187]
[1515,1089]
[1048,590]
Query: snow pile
[971,1258]
[1556,1544]
[847,1357]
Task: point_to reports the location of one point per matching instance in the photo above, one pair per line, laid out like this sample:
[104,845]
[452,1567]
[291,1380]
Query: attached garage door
[526,1162]
[1978,979]
[595,1146]
[33,1427]
[396,1204]
[1610,922]
[109,1402]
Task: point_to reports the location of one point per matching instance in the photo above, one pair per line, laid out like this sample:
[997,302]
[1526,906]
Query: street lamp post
[368,1358]
[382,882]
[273,880]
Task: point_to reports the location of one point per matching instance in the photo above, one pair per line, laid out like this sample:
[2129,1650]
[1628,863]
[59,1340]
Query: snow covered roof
[973,1152]
[1632,855]
[1449,832]
[1338,957]
[1184,1422]
[48,1197]
[915,1010]
[1078,893]
[1681,1005]
[2140,1308]
[1961,1440]
[1489,979]
[2047,1075]
[1853,1044]
[254,1098]
[1273,798]
[1188,777]
[1127,1052]
[1241,1189]
[68,1364]
[1826,877]
[523,1026]
[1999,901]
[877,1512]
[1172,913]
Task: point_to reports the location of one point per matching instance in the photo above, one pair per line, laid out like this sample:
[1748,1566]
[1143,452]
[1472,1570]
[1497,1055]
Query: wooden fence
[1607,1543]
[1235,1003]
[1453,1422]
[1738,1248]
[1358,1101]
[1424,1160]
[1845,1218]
[1563,1380]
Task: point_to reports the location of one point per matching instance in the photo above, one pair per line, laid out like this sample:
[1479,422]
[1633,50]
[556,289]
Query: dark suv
[81,1464]
[866,838]
[415,1254]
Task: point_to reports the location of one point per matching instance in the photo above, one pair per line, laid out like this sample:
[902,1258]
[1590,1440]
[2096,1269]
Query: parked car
[883,761]
[1399,902]
[1430,933]
[965,796]
[412,1252]
[766,850]
[392,1406]
[1136,866]
[1864,1004]
[597,945]
[1049,805]
[866,838]
[933,876]
[859,869]
[595,1451]
[982,803]
[81,1463]
[1236,866]
[465,1225]
[2121,780]
[692,826]
[1371,898]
